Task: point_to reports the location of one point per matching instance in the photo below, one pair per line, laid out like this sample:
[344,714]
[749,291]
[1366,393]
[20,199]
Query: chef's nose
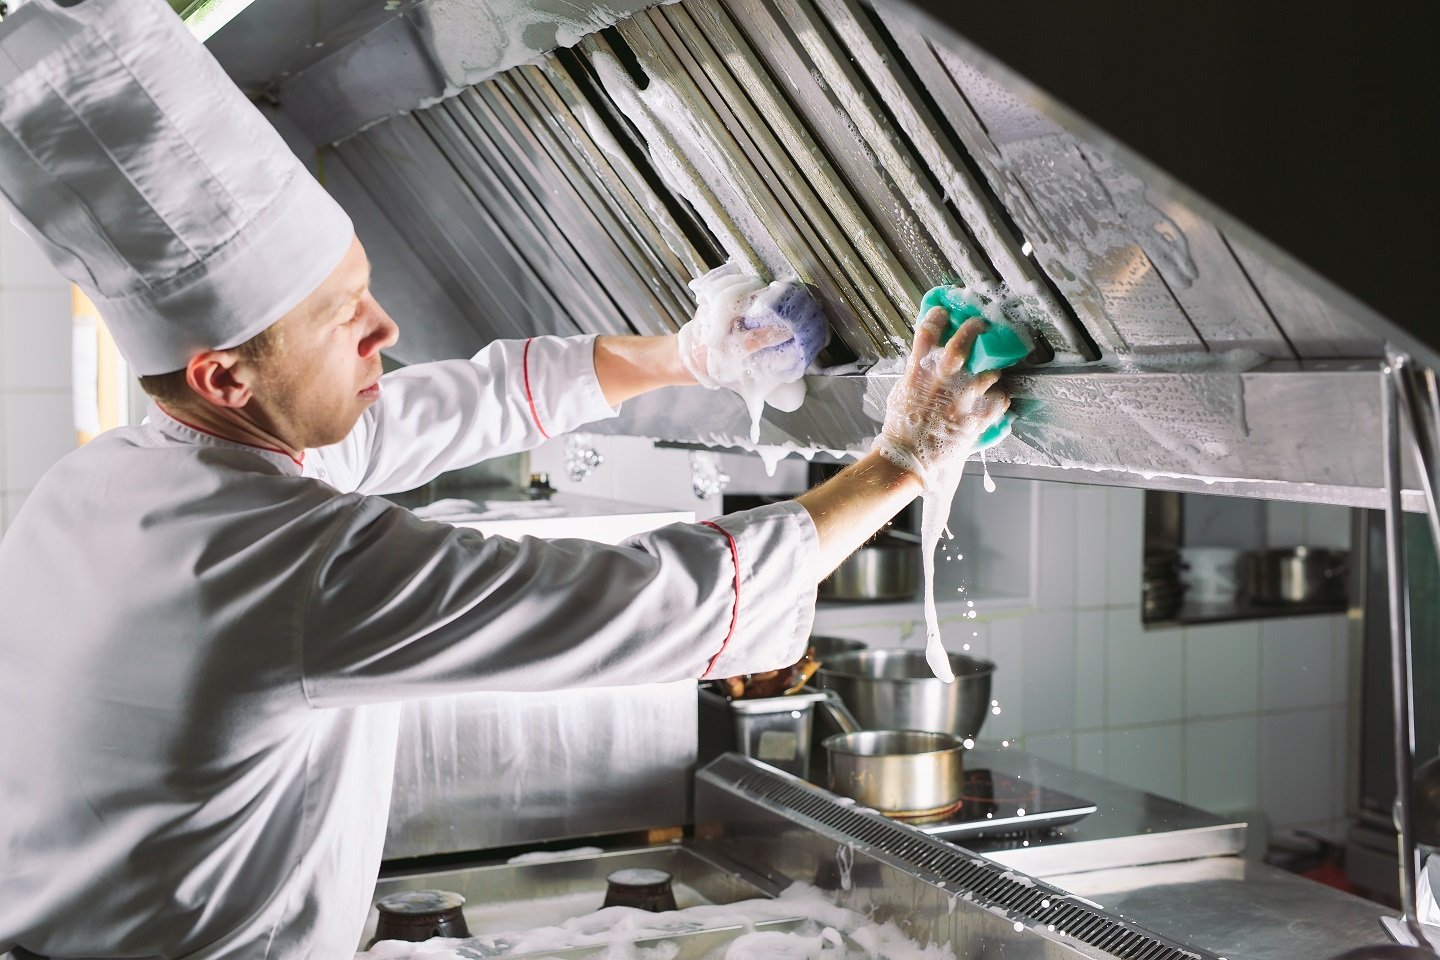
[382,331]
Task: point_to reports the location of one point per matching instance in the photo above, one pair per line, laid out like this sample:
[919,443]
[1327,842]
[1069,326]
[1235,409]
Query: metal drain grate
[989,883]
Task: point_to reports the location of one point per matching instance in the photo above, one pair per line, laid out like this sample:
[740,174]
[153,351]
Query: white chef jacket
[202,644]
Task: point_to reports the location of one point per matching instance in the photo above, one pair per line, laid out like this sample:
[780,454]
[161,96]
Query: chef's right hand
[937,410]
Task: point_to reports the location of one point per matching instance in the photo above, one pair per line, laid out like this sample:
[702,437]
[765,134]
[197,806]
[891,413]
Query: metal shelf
[1189,614]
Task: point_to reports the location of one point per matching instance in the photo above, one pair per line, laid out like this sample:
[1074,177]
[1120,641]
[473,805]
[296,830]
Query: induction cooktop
[997,804]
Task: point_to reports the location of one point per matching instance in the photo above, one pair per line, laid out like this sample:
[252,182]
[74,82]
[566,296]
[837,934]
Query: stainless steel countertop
[1172,868]
[1131,827]
[1241,909]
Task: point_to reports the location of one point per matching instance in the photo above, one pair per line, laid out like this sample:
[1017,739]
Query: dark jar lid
[642,888]
[417,915]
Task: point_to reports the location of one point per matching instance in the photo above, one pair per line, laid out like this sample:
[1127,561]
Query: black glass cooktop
[994,804]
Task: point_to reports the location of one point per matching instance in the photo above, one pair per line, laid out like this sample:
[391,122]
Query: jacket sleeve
[433,417]
[400,607]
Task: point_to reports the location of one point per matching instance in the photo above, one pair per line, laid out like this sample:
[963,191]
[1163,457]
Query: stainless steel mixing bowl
[894,689]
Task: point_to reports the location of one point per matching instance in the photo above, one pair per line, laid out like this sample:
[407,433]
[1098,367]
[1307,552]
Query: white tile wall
[1296,663]
[1048,688]
[38,429]
[1055,548]
[1090,669]
[1152,758]
[1144,678]
[1285,524]
[1124,561]
[37,338]
[1056,747]
[10,504]
[1296,756]
[1310,524]
[1327,526]
[1092,546]
[1222,669]
[1090,753]
[36,419]
[1007,650]
[1222,761]
[21,262]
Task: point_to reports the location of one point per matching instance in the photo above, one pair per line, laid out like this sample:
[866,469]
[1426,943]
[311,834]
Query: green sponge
[999,345]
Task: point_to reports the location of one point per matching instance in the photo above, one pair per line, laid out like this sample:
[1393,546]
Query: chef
[209,620]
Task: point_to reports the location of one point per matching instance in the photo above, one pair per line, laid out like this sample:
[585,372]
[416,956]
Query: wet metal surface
[1240,909]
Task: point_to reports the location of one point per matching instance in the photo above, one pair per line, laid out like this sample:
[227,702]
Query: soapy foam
[772,375]
[549,857]
[935,505]
[826,932]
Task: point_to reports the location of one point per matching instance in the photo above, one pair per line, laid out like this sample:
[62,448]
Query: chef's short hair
[171,388]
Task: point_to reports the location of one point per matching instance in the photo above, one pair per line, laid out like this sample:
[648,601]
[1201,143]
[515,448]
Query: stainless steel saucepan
[1297,575]
[903,773]
[886,568]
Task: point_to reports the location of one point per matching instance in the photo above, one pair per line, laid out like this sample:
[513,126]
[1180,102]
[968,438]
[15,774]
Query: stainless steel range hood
[505,188]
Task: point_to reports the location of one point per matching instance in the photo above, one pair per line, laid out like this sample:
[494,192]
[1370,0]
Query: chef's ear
[217,377]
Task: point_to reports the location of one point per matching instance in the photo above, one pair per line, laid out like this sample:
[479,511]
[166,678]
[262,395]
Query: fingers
[932,327]
[982,383]
[957,351]
[768,335]
[990,407]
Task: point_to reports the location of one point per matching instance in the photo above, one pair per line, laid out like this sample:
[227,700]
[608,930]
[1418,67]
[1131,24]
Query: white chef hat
[152,182]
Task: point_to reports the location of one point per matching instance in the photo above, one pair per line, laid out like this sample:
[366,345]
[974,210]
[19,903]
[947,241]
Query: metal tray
[514,896]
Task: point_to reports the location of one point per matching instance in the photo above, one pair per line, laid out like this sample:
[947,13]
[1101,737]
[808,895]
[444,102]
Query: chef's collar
[174,428]
[152,183]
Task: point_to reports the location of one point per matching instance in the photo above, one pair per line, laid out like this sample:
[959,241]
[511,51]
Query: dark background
[1314,123]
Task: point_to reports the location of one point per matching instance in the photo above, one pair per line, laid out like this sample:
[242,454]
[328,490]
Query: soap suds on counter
[823,931]
[550,856]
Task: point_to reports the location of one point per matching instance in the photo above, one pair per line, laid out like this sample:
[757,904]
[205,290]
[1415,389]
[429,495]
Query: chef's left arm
[509,397]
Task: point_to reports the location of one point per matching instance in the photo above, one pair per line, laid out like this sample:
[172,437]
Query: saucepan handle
[840,713]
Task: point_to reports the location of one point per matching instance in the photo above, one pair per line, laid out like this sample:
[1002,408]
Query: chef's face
[322,371]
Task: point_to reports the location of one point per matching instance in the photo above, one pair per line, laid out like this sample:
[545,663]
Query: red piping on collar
[530,397]
[735,609]
[299,462]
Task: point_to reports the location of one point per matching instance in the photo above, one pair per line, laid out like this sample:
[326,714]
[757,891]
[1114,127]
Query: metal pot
[1297,575]
[827,647]
[894,689]
[886,568]
[904,773]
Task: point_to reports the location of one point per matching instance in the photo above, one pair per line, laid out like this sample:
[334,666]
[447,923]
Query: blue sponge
[789,305]
[1000,345]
